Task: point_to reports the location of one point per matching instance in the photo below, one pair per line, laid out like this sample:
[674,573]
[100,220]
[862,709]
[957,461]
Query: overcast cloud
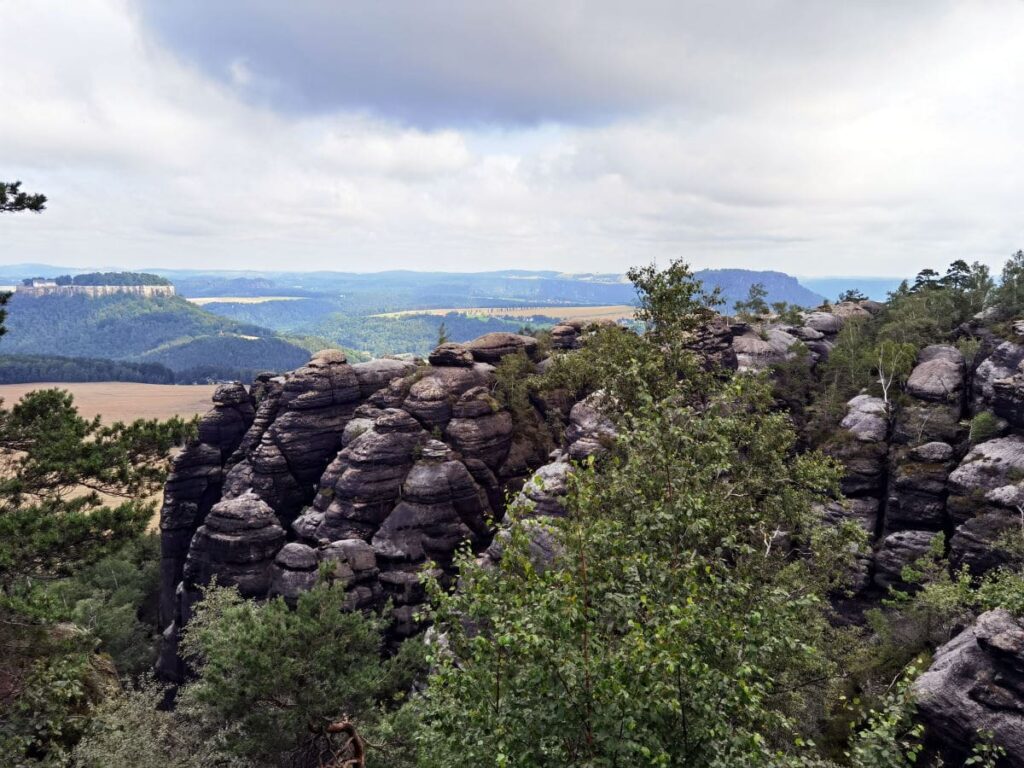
[812,137]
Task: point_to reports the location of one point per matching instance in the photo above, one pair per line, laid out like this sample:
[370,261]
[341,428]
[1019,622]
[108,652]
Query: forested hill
[161,329]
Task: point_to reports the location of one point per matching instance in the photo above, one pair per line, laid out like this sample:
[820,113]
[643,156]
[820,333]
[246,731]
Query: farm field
[203,300]
[125,401]
[606,312]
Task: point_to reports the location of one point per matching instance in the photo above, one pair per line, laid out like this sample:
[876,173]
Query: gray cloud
[460,62]
[813,137]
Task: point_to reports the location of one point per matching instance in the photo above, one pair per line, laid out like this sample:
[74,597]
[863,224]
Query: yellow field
[123,401]
[242,299]
[607,312]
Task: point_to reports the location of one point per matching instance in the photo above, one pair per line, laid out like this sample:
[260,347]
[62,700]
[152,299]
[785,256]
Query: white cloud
[874,141]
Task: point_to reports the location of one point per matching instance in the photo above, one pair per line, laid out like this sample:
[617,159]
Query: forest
[694,605]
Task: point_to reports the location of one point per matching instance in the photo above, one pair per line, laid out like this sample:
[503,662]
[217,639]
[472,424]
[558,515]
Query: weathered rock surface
[452,354]
[315,404]
[491,347]
[294,571]
[565,337]
[590,431]
[975,685]
[236,544]
[480,428]
[898,550]
[938,376]
[1001,364]
[860,445]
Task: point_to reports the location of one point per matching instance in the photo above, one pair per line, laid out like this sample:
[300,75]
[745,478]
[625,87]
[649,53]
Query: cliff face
[148,291]
[373,469]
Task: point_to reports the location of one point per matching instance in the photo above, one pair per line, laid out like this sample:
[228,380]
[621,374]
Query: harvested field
[123,401]
[606,312]
[200,301]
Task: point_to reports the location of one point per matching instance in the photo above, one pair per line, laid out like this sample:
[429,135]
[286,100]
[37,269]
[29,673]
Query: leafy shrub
[985,426]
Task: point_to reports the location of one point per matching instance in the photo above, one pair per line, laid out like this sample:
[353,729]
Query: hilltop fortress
[95,285]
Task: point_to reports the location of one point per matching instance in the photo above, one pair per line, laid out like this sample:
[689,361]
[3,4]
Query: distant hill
[735,284]
[167,330]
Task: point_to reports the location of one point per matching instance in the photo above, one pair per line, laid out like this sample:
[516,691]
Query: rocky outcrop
[565,337]
[759,350]
[491,347]
[860,446]
[898,550]
[195,482]
[1001,364]
[316,402]
[372,470]
[986,494]
[451,354]
[361,486]
[975,686]
[590,431]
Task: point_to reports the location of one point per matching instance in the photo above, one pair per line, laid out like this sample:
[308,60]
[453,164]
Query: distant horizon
[157,270]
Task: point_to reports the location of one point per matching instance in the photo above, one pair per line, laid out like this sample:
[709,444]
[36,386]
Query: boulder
[939,375]
[316,403]
[451,354]
[294,571]
[826,323]
[975,685]
[867,419]
[988,466]
[565,337]
[491,347]
[377,374]
[1001,364]
[361,486]
[441,507]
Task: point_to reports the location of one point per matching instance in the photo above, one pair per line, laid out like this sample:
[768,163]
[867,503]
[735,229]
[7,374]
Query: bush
[271,678]
[985,426]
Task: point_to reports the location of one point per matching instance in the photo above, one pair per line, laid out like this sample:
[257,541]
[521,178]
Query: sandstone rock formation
[374,469]
[975,685]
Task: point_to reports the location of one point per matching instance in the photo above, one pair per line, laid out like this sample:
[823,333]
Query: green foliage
[55,466]
[114,600]
[889,737]
[13,200]
[985,425]
[17,369]
[272,678]
[1009,297]
[112,278]
[166,330]
[52,701]
[852,294]
[133,730]
[62,560]
[790,314]
[674,628]
[754,307]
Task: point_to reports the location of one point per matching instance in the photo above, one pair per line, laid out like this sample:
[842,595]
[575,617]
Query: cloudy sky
[842,138]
